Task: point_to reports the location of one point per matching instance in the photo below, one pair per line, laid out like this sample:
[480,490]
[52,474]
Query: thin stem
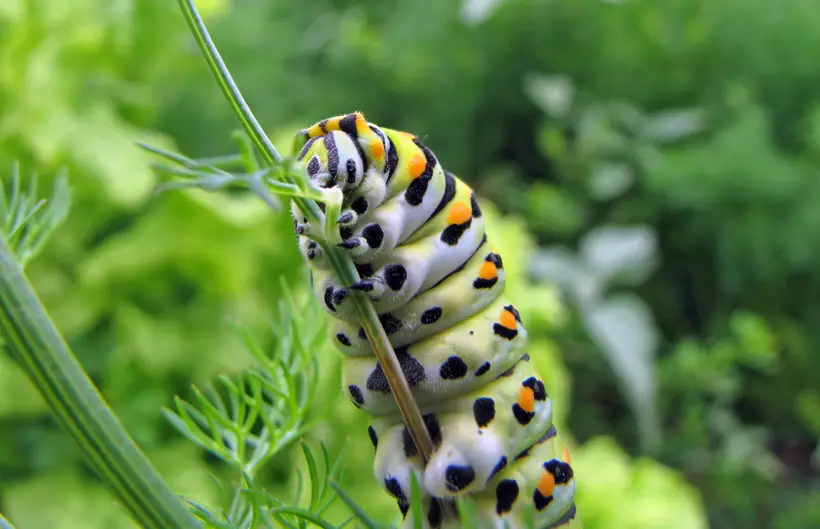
[30,336]
[341,263]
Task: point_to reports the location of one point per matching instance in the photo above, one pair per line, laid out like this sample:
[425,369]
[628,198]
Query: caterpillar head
[333,159]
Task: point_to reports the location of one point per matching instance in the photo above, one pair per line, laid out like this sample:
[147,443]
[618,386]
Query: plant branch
[31,338]
[342,265]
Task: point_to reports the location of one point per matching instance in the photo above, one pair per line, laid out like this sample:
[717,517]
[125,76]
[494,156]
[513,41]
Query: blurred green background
[653,168]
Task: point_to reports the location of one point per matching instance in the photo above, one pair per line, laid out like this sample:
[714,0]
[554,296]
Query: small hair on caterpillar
[417,236]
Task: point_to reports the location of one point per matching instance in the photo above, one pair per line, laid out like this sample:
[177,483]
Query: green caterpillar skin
[417,237]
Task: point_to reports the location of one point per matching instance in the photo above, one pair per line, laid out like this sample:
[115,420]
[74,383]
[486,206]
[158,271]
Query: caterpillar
[416,235]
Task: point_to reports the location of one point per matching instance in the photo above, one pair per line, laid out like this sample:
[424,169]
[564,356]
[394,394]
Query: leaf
[624,329]
[613,252]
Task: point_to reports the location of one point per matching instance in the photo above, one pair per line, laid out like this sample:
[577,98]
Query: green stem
[31,338]
[342,264]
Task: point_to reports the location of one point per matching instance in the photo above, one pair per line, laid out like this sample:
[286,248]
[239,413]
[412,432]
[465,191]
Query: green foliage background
[654,170]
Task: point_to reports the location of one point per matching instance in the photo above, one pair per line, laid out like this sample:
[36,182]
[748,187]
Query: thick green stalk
[30,336]
[342,264]
[5,524]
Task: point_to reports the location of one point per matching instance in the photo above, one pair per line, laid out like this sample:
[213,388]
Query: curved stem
[341,263]
[29,335]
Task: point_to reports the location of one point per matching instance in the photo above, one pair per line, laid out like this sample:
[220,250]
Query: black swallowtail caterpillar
[416,234]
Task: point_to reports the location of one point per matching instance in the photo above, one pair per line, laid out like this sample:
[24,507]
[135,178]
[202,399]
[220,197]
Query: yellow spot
[332,124]
[407,135]
[488,271]
[361,123]
[567,457]
[416,165]
[526,399]
[315,130]
[507,320]
[546,485]
[459,214]
[376,149]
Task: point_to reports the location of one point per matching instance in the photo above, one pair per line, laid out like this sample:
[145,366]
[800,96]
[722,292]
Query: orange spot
[526,399]
[567,457]
[416,165]
[376,149]
[546,485]
[459,214]
[488,271]
[361,123]
[507,320]
[411,137]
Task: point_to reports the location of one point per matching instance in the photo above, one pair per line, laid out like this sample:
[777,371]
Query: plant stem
[31,338]
[342,265]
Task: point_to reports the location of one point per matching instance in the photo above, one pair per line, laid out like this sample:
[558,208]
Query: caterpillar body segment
[443,366]
[416,234]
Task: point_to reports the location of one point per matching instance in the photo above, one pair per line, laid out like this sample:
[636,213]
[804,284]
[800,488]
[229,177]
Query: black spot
[345,232]
[482,369]
[452,233]
[332,157]
[344,340]
[323,126]
[502,463]
[413,371]
[392,162]
[458,477]
[433,427]
[537,388]
[356,395]
[374,235]
[314,165]
[394,276]
[348,125]
[312,245]
[560,470]
[523,417]
[361,334]
[390,323]
[507,334]
[373,437]
[474,205]
[393,488]
[540,500]
[414,194]
[329,299]
[514,312]
[431,315]
[359,205]
[350,166]
[496,260]
[481,283]
[483,411]
[365,270]
[565,519]
[505,495]
[434,514]
[403,507]
[453,368]
[449,192]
